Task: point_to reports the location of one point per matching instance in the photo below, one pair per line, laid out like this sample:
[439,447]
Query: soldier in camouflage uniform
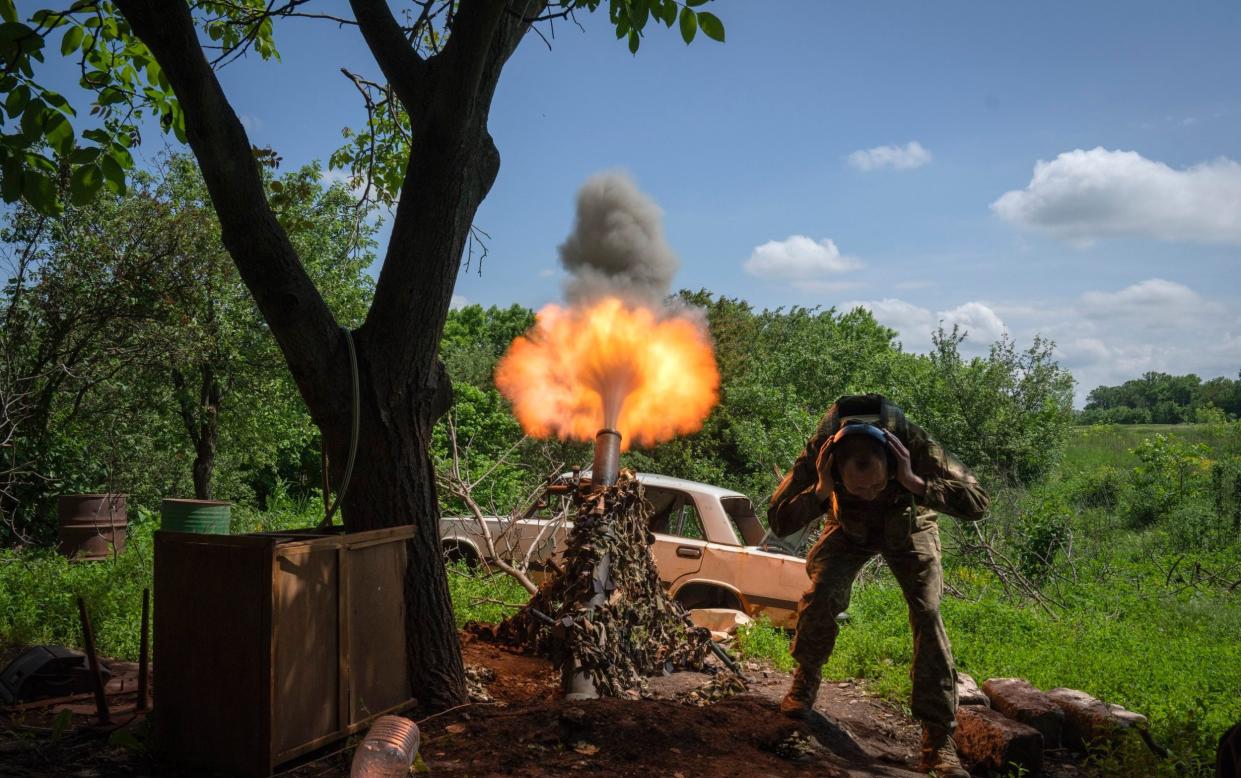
[879,481]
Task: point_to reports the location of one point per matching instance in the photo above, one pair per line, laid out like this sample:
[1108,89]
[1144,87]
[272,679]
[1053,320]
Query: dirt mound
[531,731]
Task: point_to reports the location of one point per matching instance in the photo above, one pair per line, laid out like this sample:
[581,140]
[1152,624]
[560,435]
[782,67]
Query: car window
[688,523]
[673,513]
[741,512]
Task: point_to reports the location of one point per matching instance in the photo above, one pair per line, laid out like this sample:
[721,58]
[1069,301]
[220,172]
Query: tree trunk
[404,388]
[393,483]
[204,466]
[201,419]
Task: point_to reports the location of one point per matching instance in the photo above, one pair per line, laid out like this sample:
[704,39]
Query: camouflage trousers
[914,558]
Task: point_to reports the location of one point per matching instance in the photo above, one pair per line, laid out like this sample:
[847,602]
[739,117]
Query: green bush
[1042,529]
[1169,473]
[39,591]
[1101,488]
[284,511]
[480,595]
[1195,525]
[1226,490]
[760,640]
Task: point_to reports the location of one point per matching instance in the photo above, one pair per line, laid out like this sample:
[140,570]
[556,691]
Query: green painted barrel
[204,517]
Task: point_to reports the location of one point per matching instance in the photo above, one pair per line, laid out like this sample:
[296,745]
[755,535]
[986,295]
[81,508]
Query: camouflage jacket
[950,488]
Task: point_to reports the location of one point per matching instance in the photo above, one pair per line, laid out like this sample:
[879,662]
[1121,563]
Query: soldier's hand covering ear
[904,474]
[823,464]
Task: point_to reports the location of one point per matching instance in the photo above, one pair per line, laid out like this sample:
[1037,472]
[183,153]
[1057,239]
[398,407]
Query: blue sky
[878,153]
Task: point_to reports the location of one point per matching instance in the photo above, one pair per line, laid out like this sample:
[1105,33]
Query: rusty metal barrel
[205,517]
[92,526]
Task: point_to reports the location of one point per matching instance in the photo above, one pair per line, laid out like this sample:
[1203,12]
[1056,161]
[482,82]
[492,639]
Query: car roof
[667,481]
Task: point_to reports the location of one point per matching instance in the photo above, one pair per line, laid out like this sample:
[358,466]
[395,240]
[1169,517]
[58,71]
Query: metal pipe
[607,458]
[88,637]
[144,651]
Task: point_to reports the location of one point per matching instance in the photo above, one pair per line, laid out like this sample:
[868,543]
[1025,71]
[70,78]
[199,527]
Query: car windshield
[741,511]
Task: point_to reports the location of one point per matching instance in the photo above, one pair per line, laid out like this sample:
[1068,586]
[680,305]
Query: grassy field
[1092,447]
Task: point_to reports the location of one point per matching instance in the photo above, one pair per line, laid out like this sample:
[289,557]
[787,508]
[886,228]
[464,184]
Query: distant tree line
[1160,398]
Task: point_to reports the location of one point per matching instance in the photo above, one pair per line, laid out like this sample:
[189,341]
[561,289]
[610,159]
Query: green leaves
[84,184]
[44,160]
[10,178]
[71,41]
[689,24]
[711,26]
[16,102]
[630,17]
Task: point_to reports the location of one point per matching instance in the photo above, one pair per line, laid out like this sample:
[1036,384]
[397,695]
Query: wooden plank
[342,635]
[378,671]
[378,536]
[277,619]
[212,642]
[270,646]
[306,649]
[216,541]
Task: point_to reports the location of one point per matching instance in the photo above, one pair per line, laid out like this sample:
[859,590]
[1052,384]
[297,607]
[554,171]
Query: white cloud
[911,156]
[911,322]
[458,301]
[982,323]
[330,177]
[1152,299]
[800,260]
[1105,337]
[1082,196]
[914,324]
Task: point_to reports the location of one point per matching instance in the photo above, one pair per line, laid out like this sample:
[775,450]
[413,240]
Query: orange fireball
[649,375]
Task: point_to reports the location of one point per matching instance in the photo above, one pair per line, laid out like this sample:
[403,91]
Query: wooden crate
[273,644]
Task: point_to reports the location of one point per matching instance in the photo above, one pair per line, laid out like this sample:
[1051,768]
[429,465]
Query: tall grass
[1111,445]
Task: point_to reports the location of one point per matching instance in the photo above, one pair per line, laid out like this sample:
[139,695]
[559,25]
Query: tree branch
[300,320]
[401,65]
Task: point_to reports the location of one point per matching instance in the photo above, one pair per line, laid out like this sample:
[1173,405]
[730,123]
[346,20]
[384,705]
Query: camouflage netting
[636,630]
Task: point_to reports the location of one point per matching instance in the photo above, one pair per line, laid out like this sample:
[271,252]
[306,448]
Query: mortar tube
[606,467]
[576,684]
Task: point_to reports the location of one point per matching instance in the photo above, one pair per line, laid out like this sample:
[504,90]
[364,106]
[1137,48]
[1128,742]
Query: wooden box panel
[270,645]
[378,671]
[307,674]
[212,640]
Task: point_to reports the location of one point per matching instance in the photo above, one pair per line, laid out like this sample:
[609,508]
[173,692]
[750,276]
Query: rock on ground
[968,692]
[988,740]
[1087,719]
[1021,701]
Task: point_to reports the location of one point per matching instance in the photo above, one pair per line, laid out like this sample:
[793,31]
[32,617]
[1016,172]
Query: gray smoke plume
[617,246]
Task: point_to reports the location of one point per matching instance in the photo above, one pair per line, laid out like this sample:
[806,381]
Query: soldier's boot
[800,699]
[939,756]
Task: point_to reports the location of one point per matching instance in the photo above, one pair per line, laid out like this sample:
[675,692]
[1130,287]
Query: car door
[679,537]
